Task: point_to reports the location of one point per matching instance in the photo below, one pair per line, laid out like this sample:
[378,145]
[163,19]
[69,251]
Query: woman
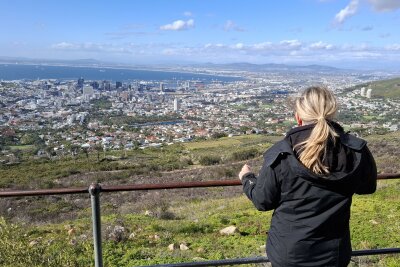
[308,179]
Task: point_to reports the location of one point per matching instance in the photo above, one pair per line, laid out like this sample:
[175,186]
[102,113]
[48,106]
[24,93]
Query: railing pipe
[140,187]
[94,191]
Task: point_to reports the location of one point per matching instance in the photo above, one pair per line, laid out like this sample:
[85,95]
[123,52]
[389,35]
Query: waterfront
[35,72]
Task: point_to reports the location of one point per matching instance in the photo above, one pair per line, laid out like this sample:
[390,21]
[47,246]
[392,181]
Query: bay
[34,72]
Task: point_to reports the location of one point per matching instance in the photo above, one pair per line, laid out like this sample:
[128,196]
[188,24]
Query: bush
[210,160]
[245,154]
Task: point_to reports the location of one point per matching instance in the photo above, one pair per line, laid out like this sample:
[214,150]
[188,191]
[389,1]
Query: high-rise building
[118,85]
[106,86]
[162,87]
[369,91]
[362,91]
[95,85]
[176,104]
[81,81]
[88,92]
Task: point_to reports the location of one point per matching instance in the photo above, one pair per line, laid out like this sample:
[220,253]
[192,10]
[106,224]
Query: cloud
[290,44]
[90,47]
[385,5]
[187,14]
[231,26]
[178,25]
[347,12]
[64,45]
[393,47]
[289,51]
[321,46]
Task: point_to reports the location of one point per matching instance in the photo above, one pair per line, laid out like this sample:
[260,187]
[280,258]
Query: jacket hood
[343,156]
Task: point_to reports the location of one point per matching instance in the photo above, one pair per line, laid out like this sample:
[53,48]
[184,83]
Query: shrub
[245,154]
[210,160]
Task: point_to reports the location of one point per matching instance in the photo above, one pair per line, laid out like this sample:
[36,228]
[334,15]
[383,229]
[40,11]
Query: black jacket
[310,223]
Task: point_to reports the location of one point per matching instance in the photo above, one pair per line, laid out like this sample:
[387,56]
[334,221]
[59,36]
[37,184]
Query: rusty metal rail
[95,189]
[141,187]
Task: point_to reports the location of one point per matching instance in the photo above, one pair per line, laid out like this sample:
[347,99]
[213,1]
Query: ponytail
[316,105]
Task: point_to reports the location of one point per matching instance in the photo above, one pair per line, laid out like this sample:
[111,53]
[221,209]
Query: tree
[98,149]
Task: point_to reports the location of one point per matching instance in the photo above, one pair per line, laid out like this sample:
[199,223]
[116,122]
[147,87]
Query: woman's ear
[299,121]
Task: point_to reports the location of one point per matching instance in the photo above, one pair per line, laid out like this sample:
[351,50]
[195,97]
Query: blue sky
[329,32]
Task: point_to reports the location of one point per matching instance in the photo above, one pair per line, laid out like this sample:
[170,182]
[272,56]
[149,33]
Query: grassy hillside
[386,88]
[139,239]
[56,230]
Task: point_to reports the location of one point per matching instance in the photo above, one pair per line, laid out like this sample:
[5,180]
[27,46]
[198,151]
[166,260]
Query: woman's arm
[264,190]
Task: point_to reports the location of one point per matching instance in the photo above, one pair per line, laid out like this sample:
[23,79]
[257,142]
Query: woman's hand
[245,170]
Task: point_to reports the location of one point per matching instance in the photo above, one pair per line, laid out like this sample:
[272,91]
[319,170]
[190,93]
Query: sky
[342,33]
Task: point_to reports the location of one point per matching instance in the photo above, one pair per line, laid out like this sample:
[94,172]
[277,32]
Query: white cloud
[290,51]
[262,46]
[290,44]
[393,47]
[178,25]
[91,47]
[321,46]
[231,26]
[187,14]
[64,45]
[347,12]
[385,5]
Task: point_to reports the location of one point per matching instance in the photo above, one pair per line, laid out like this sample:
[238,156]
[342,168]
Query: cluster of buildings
[125,115]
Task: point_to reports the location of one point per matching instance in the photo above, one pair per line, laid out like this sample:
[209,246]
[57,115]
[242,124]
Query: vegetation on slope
[56,231]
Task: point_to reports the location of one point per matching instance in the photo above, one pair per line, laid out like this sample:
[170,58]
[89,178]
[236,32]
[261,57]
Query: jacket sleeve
[264,190]
[368,175]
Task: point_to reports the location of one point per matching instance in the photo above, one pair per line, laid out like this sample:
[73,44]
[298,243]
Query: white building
[369,91]
[176,104]
[362,91]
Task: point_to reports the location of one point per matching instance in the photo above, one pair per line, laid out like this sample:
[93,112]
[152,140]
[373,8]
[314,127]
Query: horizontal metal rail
[141,187]
[94,191]
[355,253]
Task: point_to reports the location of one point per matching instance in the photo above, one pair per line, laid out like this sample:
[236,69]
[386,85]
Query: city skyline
[350,33]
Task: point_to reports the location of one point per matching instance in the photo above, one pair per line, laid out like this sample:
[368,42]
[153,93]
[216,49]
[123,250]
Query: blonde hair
[316,105]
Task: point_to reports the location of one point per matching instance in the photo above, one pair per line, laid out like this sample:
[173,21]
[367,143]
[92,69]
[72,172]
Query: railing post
[94,191]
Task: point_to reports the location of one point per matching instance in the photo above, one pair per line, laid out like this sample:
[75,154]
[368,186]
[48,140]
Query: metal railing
[95,189]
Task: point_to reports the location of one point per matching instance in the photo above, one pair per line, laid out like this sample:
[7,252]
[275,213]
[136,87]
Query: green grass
[386,88]
[22,147]
[375,223]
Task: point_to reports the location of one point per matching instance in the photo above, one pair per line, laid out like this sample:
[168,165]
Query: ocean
[34,72]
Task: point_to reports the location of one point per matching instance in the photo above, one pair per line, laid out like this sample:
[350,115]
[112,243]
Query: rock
[71,232]
[33,243]
[200,250]
[132,236]
[230,230]
[198,259]
[171,247]
[183,247]
[156,237]
[118,233]
[262,248]
[148,213]
[373,222]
